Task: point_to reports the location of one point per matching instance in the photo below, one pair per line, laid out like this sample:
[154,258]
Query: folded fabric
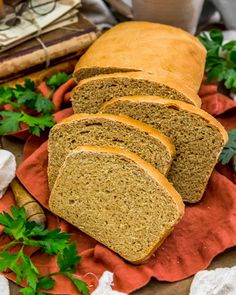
[191,246]
[220,281]
[104,285]
[4,286]
[7,170]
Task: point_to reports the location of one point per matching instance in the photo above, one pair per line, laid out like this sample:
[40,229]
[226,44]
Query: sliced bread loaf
[91,93]
[117,198]
[103,129]
[148,47]
[197,136]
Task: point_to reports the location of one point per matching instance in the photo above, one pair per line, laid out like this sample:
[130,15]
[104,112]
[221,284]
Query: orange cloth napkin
[207,228]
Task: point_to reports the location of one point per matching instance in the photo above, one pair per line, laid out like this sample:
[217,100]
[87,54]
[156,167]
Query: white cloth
[4,286]
[220,281]
[98,12]
[184,13]
[7,170]
[104,285]
[227,9]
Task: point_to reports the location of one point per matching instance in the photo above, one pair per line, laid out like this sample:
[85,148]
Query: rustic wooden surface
[226,259]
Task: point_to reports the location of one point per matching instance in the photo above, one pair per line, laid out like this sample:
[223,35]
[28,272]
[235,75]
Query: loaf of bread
[117,198]
[103,129]
[198,138]
[148,47]
[91,93]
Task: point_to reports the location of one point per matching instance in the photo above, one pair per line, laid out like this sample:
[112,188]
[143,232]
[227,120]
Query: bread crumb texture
[198,143]
[67,136]
[113,199]
[89,97]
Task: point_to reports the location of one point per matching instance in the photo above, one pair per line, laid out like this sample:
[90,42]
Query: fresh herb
[58,79]
[221,59]
[229,150]
[11,122]
[26,96]
[20,98]
[52,242]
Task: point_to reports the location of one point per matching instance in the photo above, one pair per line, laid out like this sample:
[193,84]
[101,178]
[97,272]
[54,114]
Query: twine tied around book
[47,57]
[34,22]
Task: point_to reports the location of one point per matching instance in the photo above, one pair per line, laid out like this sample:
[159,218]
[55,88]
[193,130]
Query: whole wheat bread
[103,129]
[147,47]
[91,93]
[197,136]
[117,198]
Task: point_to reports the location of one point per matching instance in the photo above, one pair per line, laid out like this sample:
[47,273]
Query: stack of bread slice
[139,145]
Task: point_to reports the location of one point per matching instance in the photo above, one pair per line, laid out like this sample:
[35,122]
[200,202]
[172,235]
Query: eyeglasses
[14,13]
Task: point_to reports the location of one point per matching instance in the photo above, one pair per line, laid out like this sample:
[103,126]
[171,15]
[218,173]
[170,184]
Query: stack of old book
[44,41]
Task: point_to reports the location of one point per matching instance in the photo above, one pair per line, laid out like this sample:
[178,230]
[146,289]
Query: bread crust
[171,103]
[163,77]
[128,121]
[148,47]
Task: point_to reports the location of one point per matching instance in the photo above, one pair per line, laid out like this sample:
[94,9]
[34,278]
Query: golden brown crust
[153,250]
[148,168]
[148,47]
[163,77]
[128,121]
[172,103]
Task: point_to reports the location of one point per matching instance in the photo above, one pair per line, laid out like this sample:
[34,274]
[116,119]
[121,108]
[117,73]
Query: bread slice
[103,129]
[148,47]
[117,198]
[91,93]
[197,136]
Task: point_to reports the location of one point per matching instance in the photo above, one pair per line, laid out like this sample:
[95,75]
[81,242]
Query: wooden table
[226,259]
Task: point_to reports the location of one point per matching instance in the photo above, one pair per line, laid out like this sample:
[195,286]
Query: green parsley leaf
[229,45]
[5,95]
[36,124]
[14,226]
[10,122]
[29,84]
[80,285]
[29,271]
[24,96]
[216,36]
[232,55]
[20,97]
[221,59]
[5,219]
[229,150]
[43,104]
[68,259]
[58,79]
[52,242]
[27,291]
[34,100]
[46,283]
[8,260]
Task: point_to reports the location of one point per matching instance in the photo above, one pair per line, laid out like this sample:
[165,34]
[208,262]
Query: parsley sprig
[11,122]
[52,242]
[58,79]
[220,60]
[22,97]
[229,150]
